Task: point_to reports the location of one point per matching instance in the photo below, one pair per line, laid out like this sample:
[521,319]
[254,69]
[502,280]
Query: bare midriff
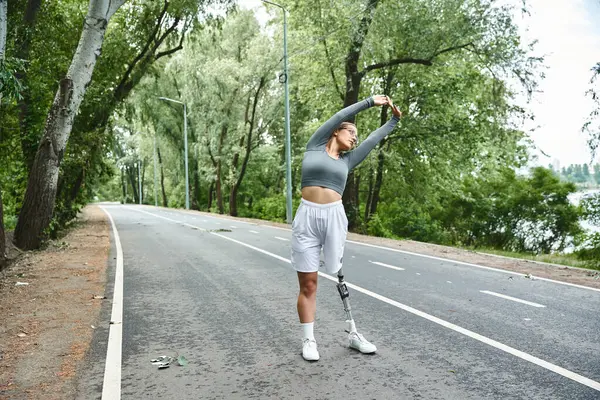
[320,195]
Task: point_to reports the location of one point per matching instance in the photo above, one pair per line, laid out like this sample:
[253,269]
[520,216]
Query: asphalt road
[223,294]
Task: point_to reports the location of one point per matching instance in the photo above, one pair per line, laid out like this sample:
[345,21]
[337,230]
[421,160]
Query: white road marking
[280,238]
[233,226]
[470,265]
[527,319]
[386,265]
[483,339]
[437,258]
[111,387]
[253,232]
[512,298]
[426,256]
[418,273]
[448,282]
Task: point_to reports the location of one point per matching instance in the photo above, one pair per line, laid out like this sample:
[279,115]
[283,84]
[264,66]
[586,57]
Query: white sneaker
[358,342]
[309,350]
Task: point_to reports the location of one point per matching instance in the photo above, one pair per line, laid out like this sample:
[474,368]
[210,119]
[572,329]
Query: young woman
[320,221]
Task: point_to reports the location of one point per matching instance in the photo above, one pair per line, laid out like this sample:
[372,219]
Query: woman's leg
[307,296]
[307,307]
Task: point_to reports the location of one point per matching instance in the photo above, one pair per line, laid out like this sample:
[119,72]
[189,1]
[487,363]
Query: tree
[410,36]
[592,125]
[3,6]
[38,205]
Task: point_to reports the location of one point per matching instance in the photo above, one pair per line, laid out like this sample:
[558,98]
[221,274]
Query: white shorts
[316,227]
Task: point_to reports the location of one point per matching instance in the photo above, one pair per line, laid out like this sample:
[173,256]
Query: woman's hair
[345,125]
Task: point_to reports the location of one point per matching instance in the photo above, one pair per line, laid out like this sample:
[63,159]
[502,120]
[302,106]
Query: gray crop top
[320,169]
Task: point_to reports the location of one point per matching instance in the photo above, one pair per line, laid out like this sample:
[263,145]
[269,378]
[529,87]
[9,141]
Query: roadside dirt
[47,325]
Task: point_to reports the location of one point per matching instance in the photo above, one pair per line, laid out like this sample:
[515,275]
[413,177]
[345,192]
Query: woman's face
[347,138]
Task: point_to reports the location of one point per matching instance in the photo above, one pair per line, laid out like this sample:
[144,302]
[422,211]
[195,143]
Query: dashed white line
[386,265]
[233,226]
[280,238]
[253,232]
[512,298]
[418,273]
[111,386]
[470,265]
[510,350]
[448,282]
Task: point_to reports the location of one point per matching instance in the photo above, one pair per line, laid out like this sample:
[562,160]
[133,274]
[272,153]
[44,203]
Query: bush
[589,251]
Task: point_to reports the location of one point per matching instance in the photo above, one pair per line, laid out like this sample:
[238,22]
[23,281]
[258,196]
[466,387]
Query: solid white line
[386,265]
[510,350]
[111,387]
[253,232]
[280,238]
[512,298]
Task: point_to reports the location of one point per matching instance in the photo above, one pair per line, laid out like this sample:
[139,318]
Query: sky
[569,39]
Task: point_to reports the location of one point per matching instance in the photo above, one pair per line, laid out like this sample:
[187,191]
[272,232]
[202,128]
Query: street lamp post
[139,165]
[288,156]
[185,144]
[154,156]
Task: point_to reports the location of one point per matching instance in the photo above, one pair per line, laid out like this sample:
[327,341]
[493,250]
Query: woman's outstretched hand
[395,110]
[380,100]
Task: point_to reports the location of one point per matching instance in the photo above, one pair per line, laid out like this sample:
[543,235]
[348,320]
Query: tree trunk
[40,196]
[210,195]
[162,179]
[219,189]
[372,208]
[2,237]
[353,79]
[3,7]
[369,197]
[134,187]
[378,182]
[143,167]
[251,121]
[123,186]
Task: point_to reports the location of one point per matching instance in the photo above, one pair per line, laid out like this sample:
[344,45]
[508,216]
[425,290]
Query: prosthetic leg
[357,341]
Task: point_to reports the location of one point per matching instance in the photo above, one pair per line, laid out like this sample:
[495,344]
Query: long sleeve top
[320,169]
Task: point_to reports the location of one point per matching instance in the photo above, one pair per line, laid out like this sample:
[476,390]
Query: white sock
[307,329]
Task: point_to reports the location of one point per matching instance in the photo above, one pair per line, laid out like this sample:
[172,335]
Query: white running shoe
[309,350]
[358,342]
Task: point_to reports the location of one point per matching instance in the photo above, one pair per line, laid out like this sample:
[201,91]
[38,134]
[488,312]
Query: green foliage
[510,212]
[10,86]
[591,208]
[589,251]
